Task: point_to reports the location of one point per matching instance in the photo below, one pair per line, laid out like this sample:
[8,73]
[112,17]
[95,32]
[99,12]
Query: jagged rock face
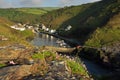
[15,53]
[15,72]
[108,56]
[112,53]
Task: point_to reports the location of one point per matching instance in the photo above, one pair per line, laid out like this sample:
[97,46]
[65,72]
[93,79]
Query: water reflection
[44,39]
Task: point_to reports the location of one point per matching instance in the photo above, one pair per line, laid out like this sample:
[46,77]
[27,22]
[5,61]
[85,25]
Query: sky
[41,3]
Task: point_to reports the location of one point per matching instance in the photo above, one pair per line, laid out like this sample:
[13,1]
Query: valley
[33,42]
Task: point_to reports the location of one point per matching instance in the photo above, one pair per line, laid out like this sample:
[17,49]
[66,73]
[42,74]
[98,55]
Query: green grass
[44,55]
[2,65]
[49,8]
[76,68]
[36,11]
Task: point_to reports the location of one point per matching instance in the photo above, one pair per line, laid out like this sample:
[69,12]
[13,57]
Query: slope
[84,19]
[12,35]
[55,18]
[108,35]
[36,11]
[25,15]
[19,16]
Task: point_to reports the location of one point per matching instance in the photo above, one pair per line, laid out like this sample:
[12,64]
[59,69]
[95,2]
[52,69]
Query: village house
[37,25]
[16,27]
[20,27]
[29,27]
[52,31]
[47,29]
[68,28]
[43,27]
[24,25]
[19,24]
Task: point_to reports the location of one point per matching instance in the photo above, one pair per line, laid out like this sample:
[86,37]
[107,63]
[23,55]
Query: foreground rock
[14,72]
[17,53]
[45,66]
[56,71]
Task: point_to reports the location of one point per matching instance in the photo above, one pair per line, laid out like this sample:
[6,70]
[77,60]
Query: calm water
[44,39]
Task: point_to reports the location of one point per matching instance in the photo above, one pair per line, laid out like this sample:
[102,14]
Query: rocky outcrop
[21,66]
[109,56]
[14,72]
[56,70]
[112,54]
[18,54]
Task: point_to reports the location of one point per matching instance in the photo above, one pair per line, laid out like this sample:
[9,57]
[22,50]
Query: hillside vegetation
[55,18]
[84,19]
[18,16]
[36,11]
[50,8]
[108,35]
[12,35]
[24,15]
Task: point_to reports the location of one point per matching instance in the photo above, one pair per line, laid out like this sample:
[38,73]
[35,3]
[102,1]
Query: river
[44,39]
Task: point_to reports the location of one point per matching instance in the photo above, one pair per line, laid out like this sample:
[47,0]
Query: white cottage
[43,27]
[18,28]
[68,28]
[52,31]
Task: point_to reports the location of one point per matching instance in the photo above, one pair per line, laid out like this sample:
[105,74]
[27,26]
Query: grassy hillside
[24,15]
[37,11]
[13,35]
[57,17]
[108,35]
[18,16]
[49,8]
[84,19]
